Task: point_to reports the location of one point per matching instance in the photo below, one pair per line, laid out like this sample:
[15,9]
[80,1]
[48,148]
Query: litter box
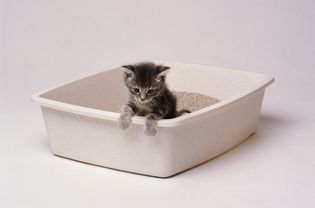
[82,121]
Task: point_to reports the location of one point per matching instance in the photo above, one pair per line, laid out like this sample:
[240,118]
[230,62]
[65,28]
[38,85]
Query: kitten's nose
[142,96]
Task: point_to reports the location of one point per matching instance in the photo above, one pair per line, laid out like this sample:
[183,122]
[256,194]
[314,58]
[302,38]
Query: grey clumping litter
[191,101]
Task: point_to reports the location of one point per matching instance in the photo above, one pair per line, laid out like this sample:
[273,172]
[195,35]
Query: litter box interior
[197,87]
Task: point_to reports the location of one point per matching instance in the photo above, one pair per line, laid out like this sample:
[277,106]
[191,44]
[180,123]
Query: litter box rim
[138,120]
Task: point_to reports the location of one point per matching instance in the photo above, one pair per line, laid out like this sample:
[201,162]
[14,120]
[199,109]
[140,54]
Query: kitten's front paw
[150,127]
[150,131]
[124,122]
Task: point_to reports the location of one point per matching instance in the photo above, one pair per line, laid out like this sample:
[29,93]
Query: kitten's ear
[129,71]
[163,72]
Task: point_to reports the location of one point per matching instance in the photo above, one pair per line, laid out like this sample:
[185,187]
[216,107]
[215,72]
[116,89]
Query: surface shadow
[43,142]
[273,121]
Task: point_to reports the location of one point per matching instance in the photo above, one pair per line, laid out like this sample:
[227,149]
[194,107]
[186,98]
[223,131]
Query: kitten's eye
[136,90]
[150,92]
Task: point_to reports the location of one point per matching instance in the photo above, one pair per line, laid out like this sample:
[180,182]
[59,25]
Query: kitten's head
[145,80]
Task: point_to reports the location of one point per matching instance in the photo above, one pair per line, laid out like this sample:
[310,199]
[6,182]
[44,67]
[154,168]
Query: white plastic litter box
[82,122]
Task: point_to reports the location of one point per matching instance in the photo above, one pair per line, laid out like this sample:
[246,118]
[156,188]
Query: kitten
[148,96]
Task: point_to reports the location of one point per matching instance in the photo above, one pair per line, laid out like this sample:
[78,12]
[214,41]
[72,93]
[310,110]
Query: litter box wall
[82,125]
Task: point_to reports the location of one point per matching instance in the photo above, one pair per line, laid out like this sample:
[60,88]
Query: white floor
[45,43]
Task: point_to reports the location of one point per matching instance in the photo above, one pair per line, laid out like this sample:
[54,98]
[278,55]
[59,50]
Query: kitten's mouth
[143,101]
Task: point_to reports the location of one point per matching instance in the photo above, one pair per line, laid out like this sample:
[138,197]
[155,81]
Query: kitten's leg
[125,116]
[151,123]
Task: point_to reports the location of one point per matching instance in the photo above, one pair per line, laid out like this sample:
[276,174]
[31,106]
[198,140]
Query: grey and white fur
[148,96]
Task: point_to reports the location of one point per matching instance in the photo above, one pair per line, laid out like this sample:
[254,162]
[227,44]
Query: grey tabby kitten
[148,96]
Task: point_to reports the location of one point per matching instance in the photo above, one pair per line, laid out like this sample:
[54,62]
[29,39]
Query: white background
[45,43]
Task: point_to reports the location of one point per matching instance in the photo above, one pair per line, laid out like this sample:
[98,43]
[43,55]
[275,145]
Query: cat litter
[82,120]
[189,101]
[193,101]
